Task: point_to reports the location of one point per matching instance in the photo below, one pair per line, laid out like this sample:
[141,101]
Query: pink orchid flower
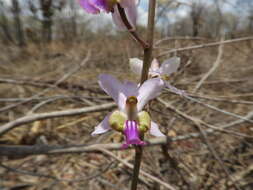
[131,99]
[112,6]
[163,72]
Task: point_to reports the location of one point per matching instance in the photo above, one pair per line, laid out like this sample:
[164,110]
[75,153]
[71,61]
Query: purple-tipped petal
[102,127]
[170,66]
[89,7]
[148,91]
[155,131]
[112,87]
[132,135]
[102,4]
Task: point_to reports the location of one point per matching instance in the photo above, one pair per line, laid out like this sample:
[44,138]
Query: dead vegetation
[210,160]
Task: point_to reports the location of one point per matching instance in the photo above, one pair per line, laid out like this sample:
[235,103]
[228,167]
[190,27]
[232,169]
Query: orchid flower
[163,72]
[129,118]
[113,6]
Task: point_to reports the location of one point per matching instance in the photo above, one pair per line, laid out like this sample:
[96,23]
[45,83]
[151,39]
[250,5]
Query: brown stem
[150,39]
[130,28]
[146,64]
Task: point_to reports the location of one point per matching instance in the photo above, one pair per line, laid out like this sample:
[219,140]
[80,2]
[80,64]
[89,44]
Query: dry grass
[45,65]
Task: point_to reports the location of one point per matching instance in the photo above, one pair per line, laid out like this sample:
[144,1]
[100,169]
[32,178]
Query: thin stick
[40,116]
[216,64]
[206,45]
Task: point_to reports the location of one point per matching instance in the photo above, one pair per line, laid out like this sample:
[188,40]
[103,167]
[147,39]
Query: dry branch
[205,45]
[35,117]
[216,64]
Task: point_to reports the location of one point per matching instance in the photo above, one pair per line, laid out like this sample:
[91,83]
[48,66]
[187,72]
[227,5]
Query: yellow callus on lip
[144,121]
[117,120]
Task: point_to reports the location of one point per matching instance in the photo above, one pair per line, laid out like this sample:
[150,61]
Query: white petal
[102,127]
[154,65]
[170,66]
[154,68]
[136,65]
[111,86]
[155,131]
[148,91]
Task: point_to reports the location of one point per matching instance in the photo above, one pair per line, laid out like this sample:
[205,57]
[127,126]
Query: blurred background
[42,47]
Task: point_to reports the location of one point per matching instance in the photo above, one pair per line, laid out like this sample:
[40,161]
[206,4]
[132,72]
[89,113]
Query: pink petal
[88,6]
[170,66]
[127,3]
[131,14]
[131,11]
[148,91]
[136,65]
[102,4]
[112,87]
[102,127]
[155,131]
[117,19]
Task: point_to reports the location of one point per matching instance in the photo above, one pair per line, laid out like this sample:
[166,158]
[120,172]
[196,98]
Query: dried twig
[84,178]
[153,178]
[205,45]
[213,68]
[63,78]
[199,121]
[35,117]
